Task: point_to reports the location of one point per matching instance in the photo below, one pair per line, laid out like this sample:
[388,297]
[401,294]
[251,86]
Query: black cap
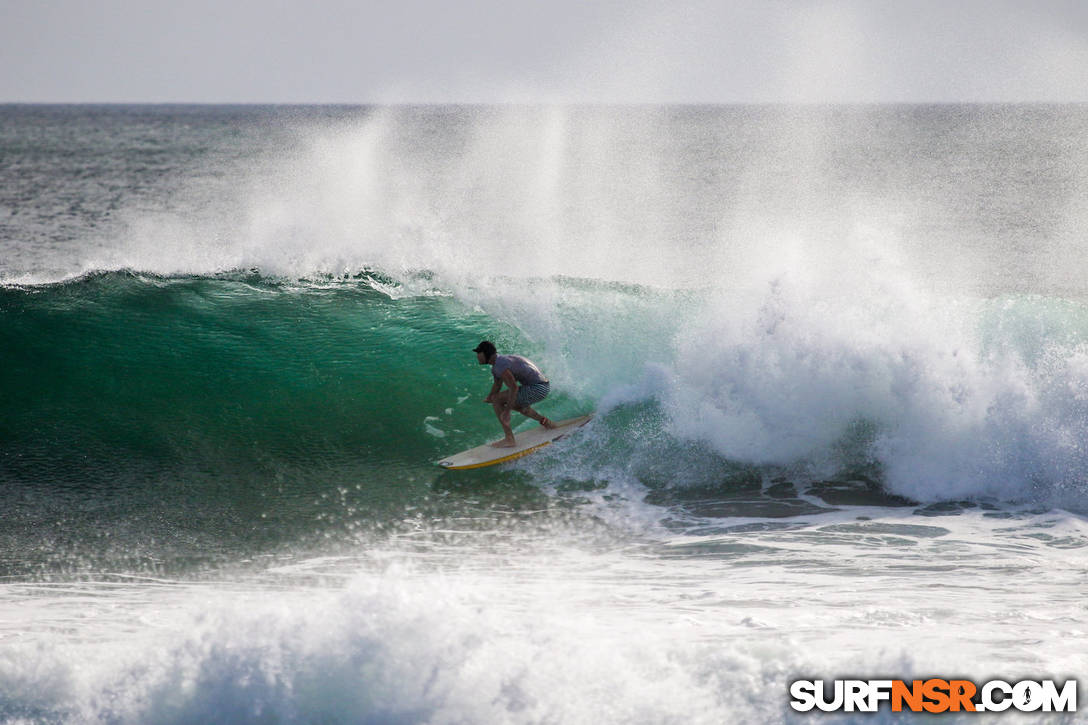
[486,347]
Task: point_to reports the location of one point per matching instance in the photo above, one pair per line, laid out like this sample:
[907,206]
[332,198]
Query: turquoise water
[230,408]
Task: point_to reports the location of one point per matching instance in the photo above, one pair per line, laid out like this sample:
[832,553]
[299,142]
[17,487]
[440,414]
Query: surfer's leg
[502,412]
[529,394]
[528,412]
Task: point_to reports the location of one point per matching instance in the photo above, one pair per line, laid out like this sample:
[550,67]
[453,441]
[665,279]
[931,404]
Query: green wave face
[119,369]
[219,405]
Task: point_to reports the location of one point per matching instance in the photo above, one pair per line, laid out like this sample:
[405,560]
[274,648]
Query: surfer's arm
[494,389]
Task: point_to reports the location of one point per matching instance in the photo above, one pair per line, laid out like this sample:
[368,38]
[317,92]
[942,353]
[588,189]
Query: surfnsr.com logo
[934,695]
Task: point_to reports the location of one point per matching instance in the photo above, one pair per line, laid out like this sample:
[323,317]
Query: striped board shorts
[529,394]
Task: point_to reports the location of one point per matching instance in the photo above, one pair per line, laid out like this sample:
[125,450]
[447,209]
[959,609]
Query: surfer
[525,385]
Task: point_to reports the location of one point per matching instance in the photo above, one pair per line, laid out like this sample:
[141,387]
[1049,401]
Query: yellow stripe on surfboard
[486,455]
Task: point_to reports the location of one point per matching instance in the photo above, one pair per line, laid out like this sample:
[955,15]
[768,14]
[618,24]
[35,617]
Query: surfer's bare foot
[505,443]
[547,423]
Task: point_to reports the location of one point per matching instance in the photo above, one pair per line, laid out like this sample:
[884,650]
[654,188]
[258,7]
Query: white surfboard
[527,441]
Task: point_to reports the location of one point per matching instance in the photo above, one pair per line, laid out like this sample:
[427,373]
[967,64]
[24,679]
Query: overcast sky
[340,51]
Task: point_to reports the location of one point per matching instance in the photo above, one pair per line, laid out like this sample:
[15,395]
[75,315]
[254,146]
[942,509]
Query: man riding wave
[525,385]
